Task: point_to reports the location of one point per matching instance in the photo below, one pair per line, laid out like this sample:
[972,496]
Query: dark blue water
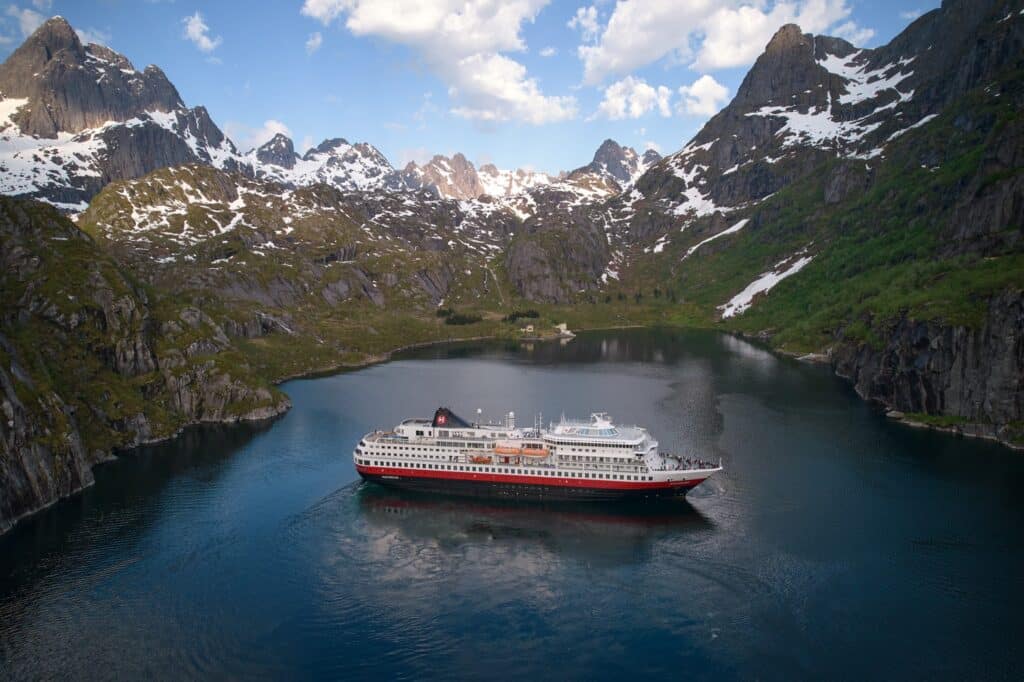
[835,545]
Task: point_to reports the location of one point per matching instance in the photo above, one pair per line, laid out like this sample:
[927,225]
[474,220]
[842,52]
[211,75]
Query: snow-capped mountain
[811,98]
[74,117]
[456,177]
[508,183]
[335,162]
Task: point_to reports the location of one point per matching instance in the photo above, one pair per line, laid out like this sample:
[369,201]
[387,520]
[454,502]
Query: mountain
[457,178]
[453,177]
[74,117]
[278,151]
[863,205]
[509,183]
[335,162]
[621,164]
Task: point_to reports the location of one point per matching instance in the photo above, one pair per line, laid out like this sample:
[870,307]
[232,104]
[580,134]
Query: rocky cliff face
[87,366]
[70,87]
[975,373]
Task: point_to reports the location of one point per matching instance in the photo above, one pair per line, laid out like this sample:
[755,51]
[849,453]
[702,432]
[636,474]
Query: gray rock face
[72,87]
[278,151]
[938,369]
[557,254]
[35,469]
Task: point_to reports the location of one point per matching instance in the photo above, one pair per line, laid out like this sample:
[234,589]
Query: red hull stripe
[557,481]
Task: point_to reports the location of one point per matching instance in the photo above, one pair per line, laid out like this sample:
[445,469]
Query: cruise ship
[591,459]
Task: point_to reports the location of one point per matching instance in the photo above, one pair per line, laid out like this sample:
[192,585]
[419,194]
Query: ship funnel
[510,420]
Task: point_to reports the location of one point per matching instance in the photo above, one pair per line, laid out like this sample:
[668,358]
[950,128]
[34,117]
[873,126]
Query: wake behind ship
[571,460]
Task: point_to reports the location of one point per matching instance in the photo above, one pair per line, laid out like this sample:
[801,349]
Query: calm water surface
[835,544]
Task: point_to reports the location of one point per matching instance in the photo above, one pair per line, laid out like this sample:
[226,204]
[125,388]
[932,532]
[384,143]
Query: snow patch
[743,300]
[735,228]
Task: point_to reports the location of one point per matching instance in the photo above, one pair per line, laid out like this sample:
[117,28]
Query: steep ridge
[91,361]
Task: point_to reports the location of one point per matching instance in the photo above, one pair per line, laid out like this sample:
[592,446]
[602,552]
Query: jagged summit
[621,164]
[71,87]
[456,177]
[278,151]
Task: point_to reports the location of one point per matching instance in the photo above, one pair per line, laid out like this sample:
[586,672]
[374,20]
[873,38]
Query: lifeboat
[526,450]
[480,459]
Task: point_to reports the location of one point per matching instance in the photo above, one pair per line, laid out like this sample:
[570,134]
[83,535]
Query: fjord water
[835,544]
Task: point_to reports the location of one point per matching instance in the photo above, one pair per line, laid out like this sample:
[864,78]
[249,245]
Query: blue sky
[520,83]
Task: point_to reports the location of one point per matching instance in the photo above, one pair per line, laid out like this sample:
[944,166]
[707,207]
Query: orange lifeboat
[480,459]
[527,450]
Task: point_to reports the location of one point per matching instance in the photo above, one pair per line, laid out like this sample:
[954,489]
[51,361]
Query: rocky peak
[326,147]
[454,177]
[278,151]
[54,35]
[620,164]
[650,157]
[789,37]
[71,87]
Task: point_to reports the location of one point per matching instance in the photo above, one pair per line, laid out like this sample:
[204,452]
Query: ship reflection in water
[620,533]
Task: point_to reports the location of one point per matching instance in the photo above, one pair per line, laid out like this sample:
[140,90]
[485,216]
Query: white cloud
[585,20]
[703,32]
[307,144]
[198,33]
[314,42]
[703,98]
[548,51]
[28,20]
[633,98]
[42,4]
[461,41]
[650,144]
[93,35]
[496,88]
[853,33]
[911,14]
[247,137]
